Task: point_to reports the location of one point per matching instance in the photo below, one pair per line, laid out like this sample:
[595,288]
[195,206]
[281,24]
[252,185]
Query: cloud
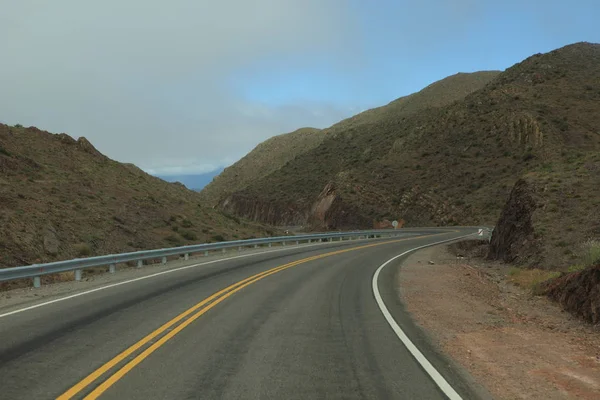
[148,81]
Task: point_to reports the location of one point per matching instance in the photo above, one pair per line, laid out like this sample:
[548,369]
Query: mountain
[194,182]
[266,158]
[457,163]
[275,152]
[61,198]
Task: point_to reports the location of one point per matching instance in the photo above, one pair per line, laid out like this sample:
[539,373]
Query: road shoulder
[514,344]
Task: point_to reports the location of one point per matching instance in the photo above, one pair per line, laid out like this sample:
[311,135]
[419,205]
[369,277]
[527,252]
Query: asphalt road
[309,330]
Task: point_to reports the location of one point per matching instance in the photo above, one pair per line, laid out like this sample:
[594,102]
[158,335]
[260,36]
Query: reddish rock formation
[578,293]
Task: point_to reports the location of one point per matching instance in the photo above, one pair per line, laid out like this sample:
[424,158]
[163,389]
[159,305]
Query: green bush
[82,249]
[186,223]
[189,235]
[173,240]
[218,238]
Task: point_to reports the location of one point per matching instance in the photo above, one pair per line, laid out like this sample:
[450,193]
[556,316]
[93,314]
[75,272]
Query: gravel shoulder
[516,345]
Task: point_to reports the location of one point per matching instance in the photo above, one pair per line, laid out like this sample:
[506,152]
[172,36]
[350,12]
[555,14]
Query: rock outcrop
[578,293]
[514,236]
[268,212]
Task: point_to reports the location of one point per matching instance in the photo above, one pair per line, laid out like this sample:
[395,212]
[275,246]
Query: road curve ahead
[299,323]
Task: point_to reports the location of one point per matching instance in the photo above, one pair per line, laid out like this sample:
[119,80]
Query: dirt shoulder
[516,345]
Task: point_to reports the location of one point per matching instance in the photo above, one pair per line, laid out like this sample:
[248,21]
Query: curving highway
[295,323]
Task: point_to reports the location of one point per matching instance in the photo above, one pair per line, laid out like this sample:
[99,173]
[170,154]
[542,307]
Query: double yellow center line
[191,314]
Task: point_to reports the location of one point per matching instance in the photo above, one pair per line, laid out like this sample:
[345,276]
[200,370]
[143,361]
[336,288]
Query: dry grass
[590,252]
[530,279]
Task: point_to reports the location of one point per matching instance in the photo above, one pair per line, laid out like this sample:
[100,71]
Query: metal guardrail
[77,265]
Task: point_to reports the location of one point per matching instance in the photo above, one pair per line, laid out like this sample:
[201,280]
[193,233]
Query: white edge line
[159,274]
[416,353]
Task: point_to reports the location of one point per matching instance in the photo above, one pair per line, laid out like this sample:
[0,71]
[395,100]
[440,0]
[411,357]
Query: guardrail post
[37,282]
[112,268]
[77,274]
[270,244]
[309,240]
[164,260]
[140,263]
[186,256]
[206,253]
[297,242]
[283,243]
[240,248]
[223,250]
[256,246]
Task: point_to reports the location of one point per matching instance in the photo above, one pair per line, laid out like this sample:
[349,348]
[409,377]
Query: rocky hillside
[458,163]
[266,158]
[60,198]
[271,155]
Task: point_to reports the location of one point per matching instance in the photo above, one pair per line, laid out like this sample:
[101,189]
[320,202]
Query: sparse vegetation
[531,279]
[56,187]
[425,171]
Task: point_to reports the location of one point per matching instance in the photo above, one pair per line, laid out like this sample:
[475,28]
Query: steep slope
[438,94]
[274,153]
[448,165]
[60,198]
[266,158]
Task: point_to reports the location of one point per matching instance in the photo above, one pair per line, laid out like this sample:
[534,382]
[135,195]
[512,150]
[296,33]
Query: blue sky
[406,47]
[187,86]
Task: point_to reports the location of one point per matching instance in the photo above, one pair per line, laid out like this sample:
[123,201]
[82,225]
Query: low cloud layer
[149,82]
[186,86]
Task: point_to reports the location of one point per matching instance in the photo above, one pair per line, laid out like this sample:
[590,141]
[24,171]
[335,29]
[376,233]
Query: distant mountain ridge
[195,182]
[277,151]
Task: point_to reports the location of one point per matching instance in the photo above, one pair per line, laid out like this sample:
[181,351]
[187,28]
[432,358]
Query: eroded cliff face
[327,212]
[268,212]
